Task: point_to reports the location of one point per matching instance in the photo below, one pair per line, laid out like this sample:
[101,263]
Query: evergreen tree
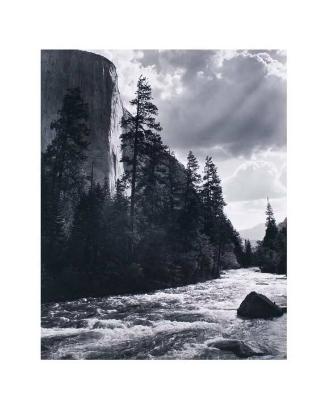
[174,186]
[62,175]
[190,212]
[117,232]
[189,242]
[88,231]
[152,179]
[237,243]
[66,154]
[139,129]
[212,199]
[193,178]
[213,211]
[282,249]
[272,251]
[248,254]
[271,228]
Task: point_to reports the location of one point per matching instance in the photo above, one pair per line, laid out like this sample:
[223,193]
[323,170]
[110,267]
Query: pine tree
[248,254]
[123,271]
[193,178]
[190,212]
[272,251]
[173,183]
[88,230]
[212,199]
[62,174]
[282,249]
[213,210]
[117,224]
[271,228]
[270,214]
[67,152]
[152,178]
[139,129]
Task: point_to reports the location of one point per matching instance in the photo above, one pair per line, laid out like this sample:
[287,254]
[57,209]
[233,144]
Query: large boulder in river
[257,305]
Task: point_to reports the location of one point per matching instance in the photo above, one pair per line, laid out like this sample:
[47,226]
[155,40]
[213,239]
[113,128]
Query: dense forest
[163,226]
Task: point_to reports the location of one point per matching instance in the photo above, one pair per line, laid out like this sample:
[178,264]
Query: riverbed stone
[257,305]
[239,348]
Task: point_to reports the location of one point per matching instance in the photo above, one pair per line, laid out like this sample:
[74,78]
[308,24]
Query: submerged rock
[239,348]
[257,305]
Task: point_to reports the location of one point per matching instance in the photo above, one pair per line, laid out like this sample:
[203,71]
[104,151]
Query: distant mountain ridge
[257,232]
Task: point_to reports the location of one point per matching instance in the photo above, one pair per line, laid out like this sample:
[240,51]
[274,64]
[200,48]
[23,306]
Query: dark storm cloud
[233,102]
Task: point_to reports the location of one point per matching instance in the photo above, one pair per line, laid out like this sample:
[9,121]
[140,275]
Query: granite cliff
[97,79]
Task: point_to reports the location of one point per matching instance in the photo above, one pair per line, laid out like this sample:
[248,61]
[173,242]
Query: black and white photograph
[163,204]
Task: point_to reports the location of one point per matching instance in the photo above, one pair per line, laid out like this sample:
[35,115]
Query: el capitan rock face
[97,79]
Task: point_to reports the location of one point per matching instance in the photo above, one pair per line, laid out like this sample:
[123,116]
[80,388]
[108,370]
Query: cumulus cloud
[274,62]
[254,180]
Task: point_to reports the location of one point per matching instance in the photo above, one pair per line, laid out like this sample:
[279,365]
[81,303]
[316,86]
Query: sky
[228,104]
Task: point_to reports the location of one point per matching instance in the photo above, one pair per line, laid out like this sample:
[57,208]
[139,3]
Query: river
[176,323]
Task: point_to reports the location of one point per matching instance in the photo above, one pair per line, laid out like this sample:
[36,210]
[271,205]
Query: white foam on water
[183,318]
[55,331]
[95,323]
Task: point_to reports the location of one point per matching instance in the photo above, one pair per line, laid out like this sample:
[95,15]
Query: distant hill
[254,233]
[257,232]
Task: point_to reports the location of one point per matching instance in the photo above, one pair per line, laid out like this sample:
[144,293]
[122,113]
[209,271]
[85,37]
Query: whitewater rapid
[176,323]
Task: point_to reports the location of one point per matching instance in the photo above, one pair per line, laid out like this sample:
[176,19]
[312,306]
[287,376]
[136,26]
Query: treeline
[270,254]
[163,226]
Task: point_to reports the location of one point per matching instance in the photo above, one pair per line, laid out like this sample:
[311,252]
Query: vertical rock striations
[97,79]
